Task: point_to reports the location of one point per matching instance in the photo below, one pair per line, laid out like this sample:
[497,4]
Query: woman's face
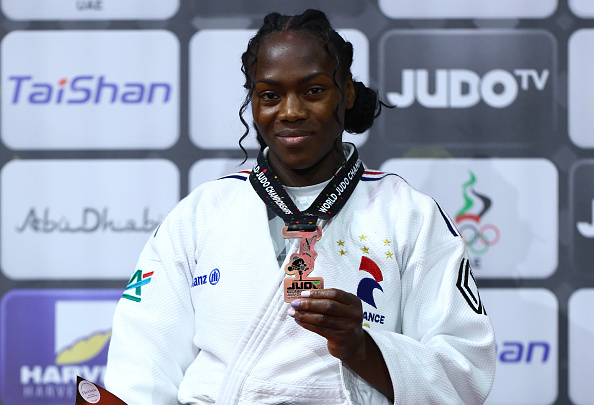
[293,106]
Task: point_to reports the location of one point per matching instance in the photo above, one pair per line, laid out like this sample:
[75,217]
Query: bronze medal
[302,263]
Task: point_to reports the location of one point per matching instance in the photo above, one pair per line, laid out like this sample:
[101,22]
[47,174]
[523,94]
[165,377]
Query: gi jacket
[205,318]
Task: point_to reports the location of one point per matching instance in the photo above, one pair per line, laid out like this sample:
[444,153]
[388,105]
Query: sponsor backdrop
[113,110]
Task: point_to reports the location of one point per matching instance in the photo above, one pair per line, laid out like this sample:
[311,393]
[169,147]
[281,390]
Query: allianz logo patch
[213,278]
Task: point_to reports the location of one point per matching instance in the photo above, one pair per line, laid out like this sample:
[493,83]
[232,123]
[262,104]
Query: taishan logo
[462,88]
[134,287]
[479,237]
[86,89]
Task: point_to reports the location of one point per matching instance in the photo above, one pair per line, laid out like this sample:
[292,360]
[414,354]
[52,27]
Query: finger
[331,302]
[329,308]
[324,320]
[333,294]
[327,332]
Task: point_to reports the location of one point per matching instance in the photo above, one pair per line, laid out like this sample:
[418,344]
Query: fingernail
[305,293]
[295,303]
[291,311]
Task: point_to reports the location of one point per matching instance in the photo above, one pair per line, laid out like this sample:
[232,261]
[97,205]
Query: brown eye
[315,90]
[268,96]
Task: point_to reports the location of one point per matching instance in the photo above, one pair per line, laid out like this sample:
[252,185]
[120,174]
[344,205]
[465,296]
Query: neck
[318,173]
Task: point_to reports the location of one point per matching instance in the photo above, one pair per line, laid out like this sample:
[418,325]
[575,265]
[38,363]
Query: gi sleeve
[445,353]
[152,337]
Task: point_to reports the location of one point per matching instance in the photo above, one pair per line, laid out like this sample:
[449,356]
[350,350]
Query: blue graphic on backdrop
[48,338]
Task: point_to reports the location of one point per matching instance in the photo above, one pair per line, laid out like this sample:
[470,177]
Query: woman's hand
[336,315]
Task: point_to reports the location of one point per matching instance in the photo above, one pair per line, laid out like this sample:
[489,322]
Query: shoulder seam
[370,175]
[451,227]
[242,175]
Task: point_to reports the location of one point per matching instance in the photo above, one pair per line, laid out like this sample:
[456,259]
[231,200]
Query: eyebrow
[301,80]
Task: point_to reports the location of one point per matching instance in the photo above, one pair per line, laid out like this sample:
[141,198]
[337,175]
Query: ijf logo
[479,237]
[68,337]
[134,288]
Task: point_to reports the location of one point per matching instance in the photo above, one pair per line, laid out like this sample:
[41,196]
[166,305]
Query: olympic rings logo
[479,239]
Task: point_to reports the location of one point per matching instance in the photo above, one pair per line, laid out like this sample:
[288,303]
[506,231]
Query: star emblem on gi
[342,244]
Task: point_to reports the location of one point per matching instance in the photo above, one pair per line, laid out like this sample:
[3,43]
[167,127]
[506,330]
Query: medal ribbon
[325,206]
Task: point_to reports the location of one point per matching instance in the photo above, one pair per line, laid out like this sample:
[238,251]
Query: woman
[399,319]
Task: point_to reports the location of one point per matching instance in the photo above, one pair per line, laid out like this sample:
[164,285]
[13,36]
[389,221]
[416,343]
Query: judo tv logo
[463,88]
[48,338]
[468,87]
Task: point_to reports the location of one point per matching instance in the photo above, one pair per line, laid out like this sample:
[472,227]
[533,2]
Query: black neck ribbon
[326,205]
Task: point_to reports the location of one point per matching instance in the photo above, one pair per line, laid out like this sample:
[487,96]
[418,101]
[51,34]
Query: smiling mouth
[293,134]
[292,138]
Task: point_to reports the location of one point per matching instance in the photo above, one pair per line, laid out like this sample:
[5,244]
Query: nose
[292,108]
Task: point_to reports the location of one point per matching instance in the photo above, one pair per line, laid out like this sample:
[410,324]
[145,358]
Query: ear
[349,94]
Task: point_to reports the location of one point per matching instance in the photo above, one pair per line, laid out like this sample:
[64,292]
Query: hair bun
[365,109]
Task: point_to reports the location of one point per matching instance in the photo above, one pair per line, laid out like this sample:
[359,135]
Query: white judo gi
[203,319]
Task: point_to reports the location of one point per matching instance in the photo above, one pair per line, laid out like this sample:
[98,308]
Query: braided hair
[366,108]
